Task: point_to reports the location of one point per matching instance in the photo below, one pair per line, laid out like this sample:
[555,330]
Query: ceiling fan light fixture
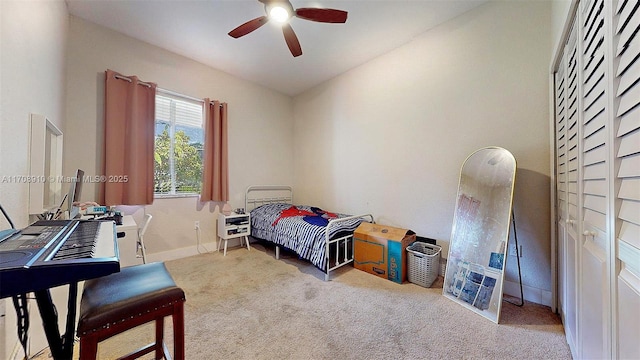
[279,14]
[280,11]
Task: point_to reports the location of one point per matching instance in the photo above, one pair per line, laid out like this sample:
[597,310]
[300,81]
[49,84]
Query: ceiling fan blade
[248,27]
[292,40]
[322,15]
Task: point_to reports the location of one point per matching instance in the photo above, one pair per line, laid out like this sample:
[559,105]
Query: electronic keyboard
[50,253]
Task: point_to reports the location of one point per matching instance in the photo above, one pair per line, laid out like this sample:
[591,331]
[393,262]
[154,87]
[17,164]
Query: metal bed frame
[284,194]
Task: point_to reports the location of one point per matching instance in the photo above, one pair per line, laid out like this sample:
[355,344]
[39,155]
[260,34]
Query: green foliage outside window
[187,163]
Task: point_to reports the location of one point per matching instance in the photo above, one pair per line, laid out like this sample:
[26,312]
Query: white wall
[32,77]
[260,125]
[389,137]
[33,37]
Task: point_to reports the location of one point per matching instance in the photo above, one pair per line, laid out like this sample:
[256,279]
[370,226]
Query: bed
[322,237]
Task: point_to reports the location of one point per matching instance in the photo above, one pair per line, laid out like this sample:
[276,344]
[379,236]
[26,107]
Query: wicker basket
[423,263]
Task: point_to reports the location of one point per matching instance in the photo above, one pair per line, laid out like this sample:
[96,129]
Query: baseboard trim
[183,252]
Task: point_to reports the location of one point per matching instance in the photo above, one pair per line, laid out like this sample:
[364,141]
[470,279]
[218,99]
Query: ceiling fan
[282,11]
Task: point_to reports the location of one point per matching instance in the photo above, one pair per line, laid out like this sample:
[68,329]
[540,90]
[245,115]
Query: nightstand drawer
[233,230]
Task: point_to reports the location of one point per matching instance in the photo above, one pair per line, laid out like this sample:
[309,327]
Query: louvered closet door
[561,181]
[594,318]
[571,316]
[626,26]
[566,186]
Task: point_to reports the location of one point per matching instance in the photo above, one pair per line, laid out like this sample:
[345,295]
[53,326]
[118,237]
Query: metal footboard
[345,243]
[257,195]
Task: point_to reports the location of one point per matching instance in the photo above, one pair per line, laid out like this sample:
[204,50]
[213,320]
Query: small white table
[234,226]
[127,244]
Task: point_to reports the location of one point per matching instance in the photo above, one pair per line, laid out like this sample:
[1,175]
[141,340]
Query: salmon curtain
[215,173]
[129,123]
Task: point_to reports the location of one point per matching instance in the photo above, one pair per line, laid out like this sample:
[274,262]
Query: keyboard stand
[61,257]
[61,346]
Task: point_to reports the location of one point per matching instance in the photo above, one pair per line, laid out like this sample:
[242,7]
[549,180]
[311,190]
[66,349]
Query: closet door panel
[571,168]
[628,326]
[598,180]
[561,186]
[627,118]
[593,315]
[566,143]
[560,136]
[571,298]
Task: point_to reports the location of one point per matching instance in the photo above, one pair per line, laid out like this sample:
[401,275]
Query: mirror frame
[45,165]
[487,293]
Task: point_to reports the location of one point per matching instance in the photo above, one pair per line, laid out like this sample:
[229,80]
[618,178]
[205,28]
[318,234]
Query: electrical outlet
[512,250]
[197,225]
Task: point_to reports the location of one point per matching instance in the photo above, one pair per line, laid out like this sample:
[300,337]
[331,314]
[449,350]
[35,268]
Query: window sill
[174,196]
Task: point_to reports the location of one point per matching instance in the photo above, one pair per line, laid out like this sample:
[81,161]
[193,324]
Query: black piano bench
[121,301]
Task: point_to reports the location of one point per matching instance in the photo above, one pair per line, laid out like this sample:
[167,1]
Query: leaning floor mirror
[480,232]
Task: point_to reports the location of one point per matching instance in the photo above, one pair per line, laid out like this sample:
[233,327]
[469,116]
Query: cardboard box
[380,250]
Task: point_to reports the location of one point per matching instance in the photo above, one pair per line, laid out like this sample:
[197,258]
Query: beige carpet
[248,305]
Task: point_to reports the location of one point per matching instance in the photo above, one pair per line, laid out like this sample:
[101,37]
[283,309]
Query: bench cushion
[132,292]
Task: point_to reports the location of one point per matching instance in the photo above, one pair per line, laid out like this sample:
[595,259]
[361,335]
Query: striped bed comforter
[302,234]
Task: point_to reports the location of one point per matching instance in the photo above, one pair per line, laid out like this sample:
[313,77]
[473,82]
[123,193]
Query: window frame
[185,98]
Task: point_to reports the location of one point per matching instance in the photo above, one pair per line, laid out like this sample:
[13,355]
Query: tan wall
[389,137]
[33,40]
[260,125]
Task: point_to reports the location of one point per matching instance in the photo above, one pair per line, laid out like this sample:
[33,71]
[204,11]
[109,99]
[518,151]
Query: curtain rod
[168,92]
[121,77]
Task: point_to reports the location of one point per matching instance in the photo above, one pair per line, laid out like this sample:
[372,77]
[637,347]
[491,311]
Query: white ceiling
[198,29]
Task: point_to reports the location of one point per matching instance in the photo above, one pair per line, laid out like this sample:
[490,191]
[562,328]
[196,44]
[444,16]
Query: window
[179,138]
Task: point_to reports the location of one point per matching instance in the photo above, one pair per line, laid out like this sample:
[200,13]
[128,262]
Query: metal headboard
[257,195]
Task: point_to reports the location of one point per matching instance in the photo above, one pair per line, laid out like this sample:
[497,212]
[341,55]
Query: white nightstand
[234,226]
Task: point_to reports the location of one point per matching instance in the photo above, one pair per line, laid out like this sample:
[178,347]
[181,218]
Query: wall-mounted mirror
[45,165]
[480,232]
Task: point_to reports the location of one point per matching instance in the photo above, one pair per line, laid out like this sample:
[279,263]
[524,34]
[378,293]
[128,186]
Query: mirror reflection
[480,232]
